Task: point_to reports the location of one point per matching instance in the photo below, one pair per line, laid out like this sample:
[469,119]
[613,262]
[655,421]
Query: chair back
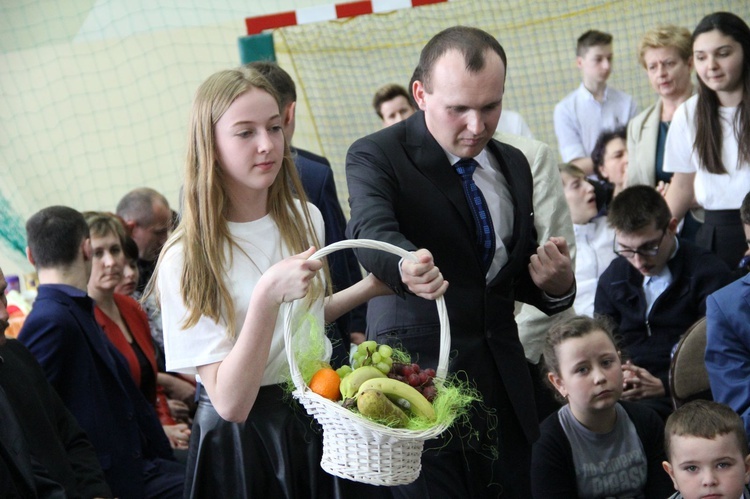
[688,378]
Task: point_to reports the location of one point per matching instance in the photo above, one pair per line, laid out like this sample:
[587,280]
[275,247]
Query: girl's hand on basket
[289,279]
[422,277]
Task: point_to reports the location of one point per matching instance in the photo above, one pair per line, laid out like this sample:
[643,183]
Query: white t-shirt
[207,342]
[579,119]
[712,191]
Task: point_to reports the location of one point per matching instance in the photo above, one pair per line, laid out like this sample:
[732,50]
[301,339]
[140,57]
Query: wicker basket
[355,447]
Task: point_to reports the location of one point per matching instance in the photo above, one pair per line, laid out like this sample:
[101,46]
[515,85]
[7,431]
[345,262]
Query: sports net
[339,65]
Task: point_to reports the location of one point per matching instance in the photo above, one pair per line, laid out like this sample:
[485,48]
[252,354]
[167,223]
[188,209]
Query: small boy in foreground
[706,445]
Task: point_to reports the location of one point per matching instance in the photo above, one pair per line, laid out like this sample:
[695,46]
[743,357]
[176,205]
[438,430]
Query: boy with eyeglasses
[654,291]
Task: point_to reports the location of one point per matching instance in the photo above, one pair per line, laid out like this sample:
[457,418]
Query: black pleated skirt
[274,454]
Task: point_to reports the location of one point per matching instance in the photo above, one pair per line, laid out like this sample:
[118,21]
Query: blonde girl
[239,254]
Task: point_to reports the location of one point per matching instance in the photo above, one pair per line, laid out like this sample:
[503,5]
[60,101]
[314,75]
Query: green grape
[375,358]
[385,351]
[369,346]
[362,348]
[343,371]
[383,367]
[387,360]
[356,363]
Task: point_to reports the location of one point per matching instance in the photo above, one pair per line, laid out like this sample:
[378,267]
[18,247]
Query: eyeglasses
[644,251]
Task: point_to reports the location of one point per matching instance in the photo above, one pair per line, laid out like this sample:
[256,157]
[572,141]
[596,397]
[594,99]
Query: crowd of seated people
[98,350]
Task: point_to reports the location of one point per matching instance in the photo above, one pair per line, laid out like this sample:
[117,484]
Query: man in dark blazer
[404,190]
[86,370]
[43,451]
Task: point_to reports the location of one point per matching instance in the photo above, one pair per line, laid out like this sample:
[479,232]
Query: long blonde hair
[203,229]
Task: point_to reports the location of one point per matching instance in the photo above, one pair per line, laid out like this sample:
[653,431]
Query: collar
[588,95]
[483,158]
[69,290]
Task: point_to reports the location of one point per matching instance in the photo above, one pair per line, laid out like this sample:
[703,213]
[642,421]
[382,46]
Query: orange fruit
[325,382]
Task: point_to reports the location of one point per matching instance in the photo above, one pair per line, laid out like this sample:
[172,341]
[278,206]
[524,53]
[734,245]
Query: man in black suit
[407,187]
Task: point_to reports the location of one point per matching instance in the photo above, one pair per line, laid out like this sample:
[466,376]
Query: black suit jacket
[49,431]
[404,191]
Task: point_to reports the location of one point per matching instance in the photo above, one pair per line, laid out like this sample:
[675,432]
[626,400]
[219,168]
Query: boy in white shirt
[592,107]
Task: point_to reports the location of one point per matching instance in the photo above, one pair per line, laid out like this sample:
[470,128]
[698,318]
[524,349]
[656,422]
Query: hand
[178,409]
[551,269]
[662,188]
[289,279]
[422,277]
[638,383]
[356,338]
[178,435]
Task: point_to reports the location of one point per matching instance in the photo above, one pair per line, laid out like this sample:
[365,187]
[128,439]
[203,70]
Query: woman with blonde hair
[665,52]
[239,254]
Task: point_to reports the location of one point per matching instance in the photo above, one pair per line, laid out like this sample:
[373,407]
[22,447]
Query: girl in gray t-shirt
[595,446]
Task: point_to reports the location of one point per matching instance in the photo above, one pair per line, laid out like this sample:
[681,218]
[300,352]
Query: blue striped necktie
[484,229]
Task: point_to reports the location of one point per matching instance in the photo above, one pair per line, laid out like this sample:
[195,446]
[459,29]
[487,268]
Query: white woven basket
[355,447]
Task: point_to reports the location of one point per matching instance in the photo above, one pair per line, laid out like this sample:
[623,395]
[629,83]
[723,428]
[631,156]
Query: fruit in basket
[325,382]
[376,406]
[369,353]
[352,381]
[396,390]
[420,379]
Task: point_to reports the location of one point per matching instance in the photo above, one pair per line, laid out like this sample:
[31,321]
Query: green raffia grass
[453,401]
[309,347]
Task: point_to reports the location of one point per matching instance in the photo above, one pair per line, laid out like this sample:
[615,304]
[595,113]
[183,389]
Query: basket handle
[445,333]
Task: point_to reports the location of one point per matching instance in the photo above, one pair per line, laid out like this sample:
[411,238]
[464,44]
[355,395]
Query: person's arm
[728,357]
[353,296]
[680,195]
[176,387]
[584,163]
[285,281]
[553,473]
[373,194]
[569,140]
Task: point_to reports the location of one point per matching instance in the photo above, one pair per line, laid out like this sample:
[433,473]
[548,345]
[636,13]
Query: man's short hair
[472,43]
[279,79]
[390,92]
[745,209]
[704,419]
[592,38]
[636,208]
[597,154]
[668,36]
[54,236]
[138,205]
